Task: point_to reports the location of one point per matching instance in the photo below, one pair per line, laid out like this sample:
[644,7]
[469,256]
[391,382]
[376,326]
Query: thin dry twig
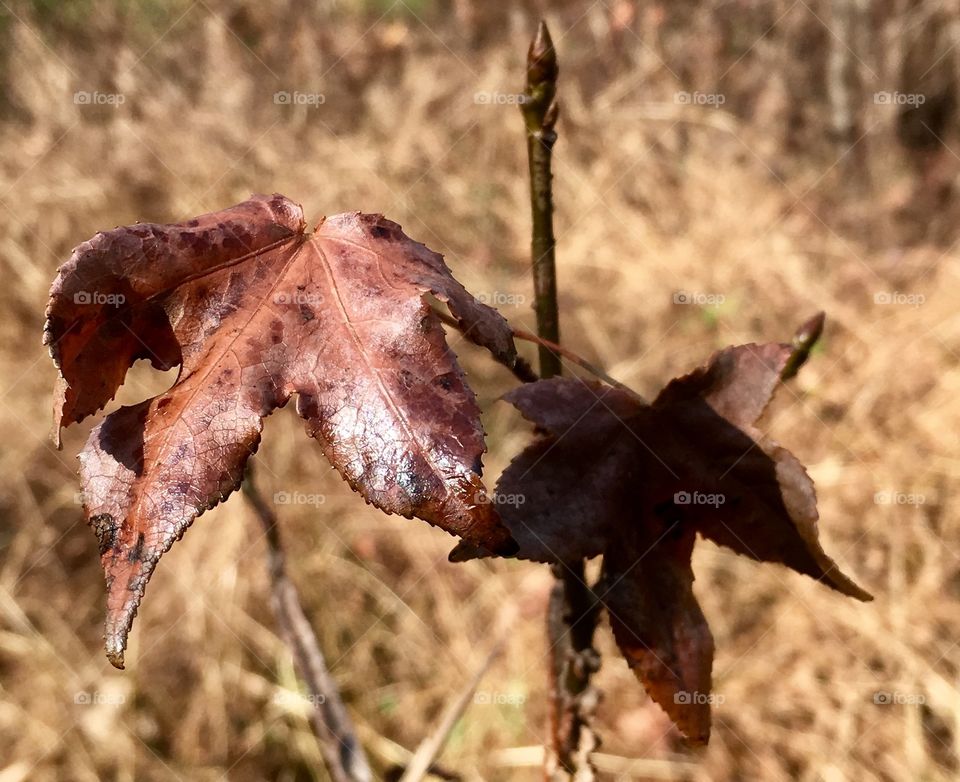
[574,358]
[524,372]
[423,759]
[336,736]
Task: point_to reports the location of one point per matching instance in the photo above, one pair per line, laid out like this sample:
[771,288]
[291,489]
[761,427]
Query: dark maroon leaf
[658,624]
[611,475]
[559,504]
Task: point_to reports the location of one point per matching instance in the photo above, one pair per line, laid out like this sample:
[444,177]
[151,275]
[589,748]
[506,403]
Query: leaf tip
[465,551]
[697,739]
[117,630]
[115,648]
[810,331]
[59,399]
[851,589]
[508,548]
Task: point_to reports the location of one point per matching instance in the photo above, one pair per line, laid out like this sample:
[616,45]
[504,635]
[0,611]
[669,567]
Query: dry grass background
[752,200]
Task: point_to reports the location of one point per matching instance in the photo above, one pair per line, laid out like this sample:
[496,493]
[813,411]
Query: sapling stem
[540,111]
[571,615]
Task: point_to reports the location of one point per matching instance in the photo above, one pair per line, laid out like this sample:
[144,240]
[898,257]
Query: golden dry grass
[653,197]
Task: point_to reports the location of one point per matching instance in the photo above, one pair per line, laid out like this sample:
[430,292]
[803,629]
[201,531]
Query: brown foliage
[634,482]
[256,310]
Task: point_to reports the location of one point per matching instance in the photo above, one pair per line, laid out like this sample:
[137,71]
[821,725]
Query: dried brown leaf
[257,310]
[658,625]
[611,475]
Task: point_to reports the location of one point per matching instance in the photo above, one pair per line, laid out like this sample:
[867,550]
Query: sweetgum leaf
[769,507]
[569,497]
[738,382]
[256,310]
[608,460]
[658,625]
[611,475]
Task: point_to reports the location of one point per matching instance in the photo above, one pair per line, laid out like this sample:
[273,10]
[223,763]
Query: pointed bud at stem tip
[539,106]
[804,339]
[541,58]
[808,334]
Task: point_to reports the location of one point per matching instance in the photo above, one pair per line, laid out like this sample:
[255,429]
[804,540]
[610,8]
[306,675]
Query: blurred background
[724,170]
